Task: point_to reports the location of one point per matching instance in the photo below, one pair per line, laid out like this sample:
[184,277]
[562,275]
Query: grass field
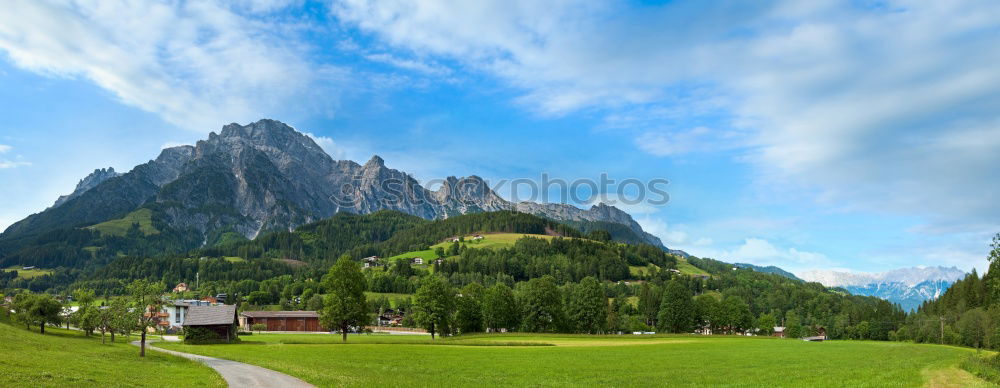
[686,268]
[63,358]
[577,360]
[491,241]
[29,273]
[118,227]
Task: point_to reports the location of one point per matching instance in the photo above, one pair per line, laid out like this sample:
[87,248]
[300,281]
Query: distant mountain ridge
[909,287]
[265,176]
[768,269]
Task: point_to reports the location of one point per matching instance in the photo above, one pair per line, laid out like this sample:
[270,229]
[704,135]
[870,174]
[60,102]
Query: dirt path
[238,374]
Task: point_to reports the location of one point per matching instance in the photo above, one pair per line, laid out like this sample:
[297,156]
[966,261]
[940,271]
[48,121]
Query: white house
[177,310]
[417,260]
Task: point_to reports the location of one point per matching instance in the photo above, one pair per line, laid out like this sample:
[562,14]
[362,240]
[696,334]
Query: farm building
[779,331]
[370,261]
[282,320]
[181,287]
[820,335]
[220,320]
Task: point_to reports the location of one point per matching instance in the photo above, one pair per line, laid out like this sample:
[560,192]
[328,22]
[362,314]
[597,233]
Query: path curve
[238,374]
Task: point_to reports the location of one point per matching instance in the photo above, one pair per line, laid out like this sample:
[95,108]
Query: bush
[986,368]
[200,336]
[258,327]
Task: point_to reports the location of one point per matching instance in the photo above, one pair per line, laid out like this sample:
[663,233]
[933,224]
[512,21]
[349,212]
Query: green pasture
[581,360]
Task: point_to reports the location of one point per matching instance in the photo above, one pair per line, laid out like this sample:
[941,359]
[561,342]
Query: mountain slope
[768,269]
[909,287]
[266,176]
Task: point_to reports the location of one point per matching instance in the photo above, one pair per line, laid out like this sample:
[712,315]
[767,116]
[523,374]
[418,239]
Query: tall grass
[986,368]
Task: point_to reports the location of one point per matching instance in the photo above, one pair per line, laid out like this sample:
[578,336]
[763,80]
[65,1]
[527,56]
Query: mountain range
[266,176]
[908,287]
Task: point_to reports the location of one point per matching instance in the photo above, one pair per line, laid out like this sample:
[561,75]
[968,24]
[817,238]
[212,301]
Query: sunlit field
[573,360]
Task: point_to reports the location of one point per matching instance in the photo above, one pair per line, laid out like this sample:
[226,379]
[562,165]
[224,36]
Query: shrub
[258,327]
[200,335]
[986,368]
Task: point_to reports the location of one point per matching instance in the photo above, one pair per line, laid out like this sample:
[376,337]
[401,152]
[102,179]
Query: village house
[477,237]
[417,260]
[181,287]
[779,331]
[370,261]
[281,320]
[390,317]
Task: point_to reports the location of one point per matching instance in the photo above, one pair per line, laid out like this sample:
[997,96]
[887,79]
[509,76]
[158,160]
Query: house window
[177,314]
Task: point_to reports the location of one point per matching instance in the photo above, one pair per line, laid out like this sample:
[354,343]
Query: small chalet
[779,331]
[477,237]
[390,317]
[417,260]
[370,261]
[181,287]
[218,319]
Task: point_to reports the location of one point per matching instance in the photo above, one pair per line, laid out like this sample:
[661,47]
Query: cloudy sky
[859,135]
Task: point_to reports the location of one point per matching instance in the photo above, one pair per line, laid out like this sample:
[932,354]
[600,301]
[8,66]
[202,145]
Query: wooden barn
[219,319]
[282,320]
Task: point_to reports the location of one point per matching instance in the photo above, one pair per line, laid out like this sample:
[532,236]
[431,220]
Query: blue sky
[861,135]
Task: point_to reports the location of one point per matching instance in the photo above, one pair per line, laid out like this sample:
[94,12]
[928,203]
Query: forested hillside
[967,314]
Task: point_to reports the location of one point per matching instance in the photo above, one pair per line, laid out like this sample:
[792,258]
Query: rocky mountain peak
[375,162]
[90,181]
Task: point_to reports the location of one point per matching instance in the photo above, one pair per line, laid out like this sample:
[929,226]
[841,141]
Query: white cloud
[12,164]
[172,144]
[891,108]
[5,164]
[197,64]
[328,145]
[760,251]
[698,139]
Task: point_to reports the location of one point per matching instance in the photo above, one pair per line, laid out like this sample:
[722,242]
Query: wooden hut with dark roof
[220,320]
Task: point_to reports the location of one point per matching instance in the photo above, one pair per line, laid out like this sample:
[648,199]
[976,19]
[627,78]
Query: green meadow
[119,227]
[29,273]
[491,241]
[64,358]
[580,360]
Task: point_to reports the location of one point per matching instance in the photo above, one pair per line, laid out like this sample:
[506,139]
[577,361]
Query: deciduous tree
[434,305]
[677,309]
[500,308]
[146,298]
[588,307]
[345,305]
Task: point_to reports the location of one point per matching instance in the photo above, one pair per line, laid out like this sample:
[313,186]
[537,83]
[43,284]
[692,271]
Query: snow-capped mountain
[909,287]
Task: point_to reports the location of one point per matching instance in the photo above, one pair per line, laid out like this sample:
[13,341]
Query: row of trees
[120,315]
